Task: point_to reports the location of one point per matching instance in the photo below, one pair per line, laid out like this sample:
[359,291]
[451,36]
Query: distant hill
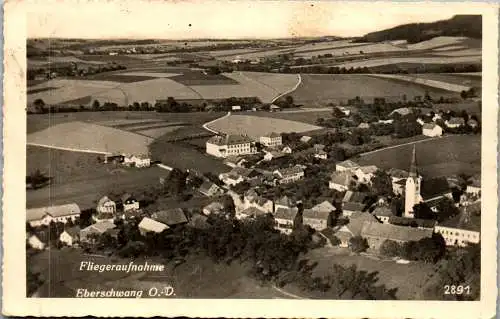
[458,26]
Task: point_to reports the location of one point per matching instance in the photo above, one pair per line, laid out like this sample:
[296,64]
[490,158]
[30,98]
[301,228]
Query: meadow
[255,126]
[414,59]
[446,156]
[447,83]
[320,89]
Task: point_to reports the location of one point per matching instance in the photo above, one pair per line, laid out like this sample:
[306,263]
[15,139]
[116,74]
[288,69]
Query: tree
[446,210]
[229,207]
[289,100]
[358,244]
[423,211]
[96,105]
[390,248]
[381,183]
[39,103]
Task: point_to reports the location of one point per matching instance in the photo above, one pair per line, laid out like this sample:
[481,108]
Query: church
[417,190]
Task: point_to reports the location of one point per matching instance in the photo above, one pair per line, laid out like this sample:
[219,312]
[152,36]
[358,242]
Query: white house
[365,173]
[271,140]
[383,213]
[272,155]
[106,209]
[432,130]
[148,225]
[44,215]
[230,145]
[96,229]
[475,186]
[347,165]
[129,203]
[462,229]
[139,161]
[340,180]
[236,108]
[455,122]
[35,242]
[286,149]
[305,139]
[289,175]
[70,236]
[284,218]
[320,154]
[316,219]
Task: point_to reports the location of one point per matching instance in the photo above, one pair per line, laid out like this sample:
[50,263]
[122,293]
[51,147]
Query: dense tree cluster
[429,250]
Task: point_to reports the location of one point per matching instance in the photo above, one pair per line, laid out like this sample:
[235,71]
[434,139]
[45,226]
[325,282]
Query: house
[250,212]
[271,140]
[238,175]
[353,202]
[89,233]
[272,155]
[234,161]
[34,242]
[340,180]
[474,185]
[463,229]
[365,173]
[354,227]
[139,161]
[213,208]
[148,225]
[286,149]
[320,154]
[347,165]
[324,206]
[210,189]
[383,213]
[274,108]
[44,215]
[305,139]
[129,203]
[284,218]
[432,130]
[70,236]
[230,145]
[455,122]
[377,233]
[344,110]
[284,202]
[170,217]
[236,108]
[318,220]
[106,208]
[364,126]
[289,175]
[252,199]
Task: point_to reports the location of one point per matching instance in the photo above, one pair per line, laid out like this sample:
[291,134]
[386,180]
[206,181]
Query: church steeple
[413,165]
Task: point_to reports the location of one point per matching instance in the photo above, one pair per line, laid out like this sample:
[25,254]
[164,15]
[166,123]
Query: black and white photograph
[300,151]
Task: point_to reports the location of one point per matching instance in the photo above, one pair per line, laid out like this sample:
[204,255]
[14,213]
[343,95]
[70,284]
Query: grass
[305,117]
[80,101]
[453,79]
[117,77]
[320,89]
[449,155]
[198,78]
[255,127]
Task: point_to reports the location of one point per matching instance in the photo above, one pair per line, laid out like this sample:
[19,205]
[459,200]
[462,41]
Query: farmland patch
[438,82]
[156,132]
[392,60]
[353,50]
[149,74]
[200,78]
[255,126]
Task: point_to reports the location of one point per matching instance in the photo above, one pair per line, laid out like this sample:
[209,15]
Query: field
[302,115]
[320,89]
[255,126]
[425,60]
[198,277]
[452,79]
[439,81]
[446,156]
[65,90]
[354,49]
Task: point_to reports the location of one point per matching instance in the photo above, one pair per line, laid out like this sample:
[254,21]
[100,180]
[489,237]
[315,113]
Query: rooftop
[253,211]
[467,220]
[285,201]
[397,173]
[357,220]
[152,225]
[171,216]
[393,232]
[353,206]
[272,135]
[370,169]
[286,213]
[348,164]
[214,207]
[229,140]
[54,211]
[314,214]
[456,120]
[289,171]
[429,126]
[357,197]
[415,222]
[100,227]
[341,178]
[382,211]
[324,206]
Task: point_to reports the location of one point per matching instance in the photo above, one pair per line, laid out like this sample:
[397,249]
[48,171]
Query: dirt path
[287,293]
[205,126]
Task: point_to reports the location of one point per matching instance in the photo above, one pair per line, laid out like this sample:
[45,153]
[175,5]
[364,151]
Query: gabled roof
[305,139]
[244,172]
[276,154]
[355,197]
[314,214]
[73,231]
[324,206]
[285,201]
[353,206]
[319,146]
[272,135]
[103,201]
[100,227]
[290,171]
[430,126]
[285,213]
[475,181]
[348,164]
[369,169]
[149,224]
[356,221]
[418,222]
[397,173]
[54,211]
[434,187]
[393,232]
[456,120]
[467,220]
[214,207]
[343,178]
[229,140]
[205,187]
[253,211]
[171,216]
[382,211]
[233,159]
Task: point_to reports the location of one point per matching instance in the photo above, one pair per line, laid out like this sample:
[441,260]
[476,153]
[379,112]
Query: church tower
[412,188]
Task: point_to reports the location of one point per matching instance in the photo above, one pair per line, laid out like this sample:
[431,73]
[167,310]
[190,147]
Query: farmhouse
[289,175]
[463,229]
[170,217]
[271,140]
[238,175]
[432,130]
[70,236]
[284,218]
[44,215]
[129,203]
[88,234]
[148,225]
[210,189]
[318,220]
[455,122]
[213,208]
[230,145]
[347,165]
[377,233]
[340,180]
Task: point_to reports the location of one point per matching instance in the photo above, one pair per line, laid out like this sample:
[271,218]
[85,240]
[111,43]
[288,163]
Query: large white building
[230,145]
[271,140]
[44,215]
[463,229]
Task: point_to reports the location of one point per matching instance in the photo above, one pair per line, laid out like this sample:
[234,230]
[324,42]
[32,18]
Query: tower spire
[413,165]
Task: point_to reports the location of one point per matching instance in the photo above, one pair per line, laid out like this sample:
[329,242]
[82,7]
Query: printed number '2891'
[456,290]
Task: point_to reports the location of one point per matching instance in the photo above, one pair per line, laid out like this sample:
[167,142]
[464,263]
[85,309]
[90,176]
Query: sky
[226,19]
